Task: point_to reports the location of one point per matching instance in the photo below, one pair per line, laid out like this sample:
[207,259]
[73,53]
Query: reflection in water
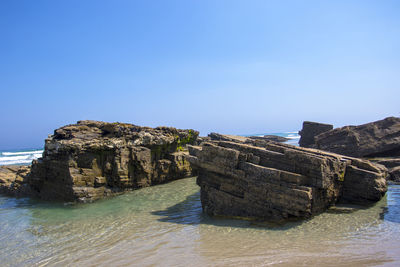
[164,225]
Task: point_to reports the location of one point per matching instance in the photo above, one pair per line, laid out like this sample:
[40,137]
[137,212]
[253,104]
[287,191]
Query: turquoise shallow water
[164,226]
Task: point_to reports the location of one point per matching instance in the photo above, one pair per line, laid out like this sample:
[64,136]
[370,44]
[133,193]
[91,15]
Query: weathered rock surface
[278,181]
[13,180]
[395,174]
[251,140]
[275,138]
[310,130]
[379,138]
[393,166]
[91,159]
[376,139]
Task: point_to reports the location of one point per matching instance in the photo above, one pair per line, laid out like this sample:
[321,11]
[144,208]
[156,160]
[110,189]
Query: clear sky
[238,67]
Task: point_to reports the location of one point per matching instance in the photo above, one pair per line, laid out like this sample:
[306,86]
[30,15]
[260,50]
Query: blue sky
[236,67]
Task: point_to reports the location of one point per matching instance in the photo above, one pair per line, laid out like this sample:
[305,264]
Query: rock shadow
[189,212]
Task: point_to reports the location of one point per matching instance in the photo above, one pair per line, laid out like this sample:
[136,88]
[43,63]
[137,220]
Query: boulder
[379,138]
[92,159]
[310,130]
[279,181]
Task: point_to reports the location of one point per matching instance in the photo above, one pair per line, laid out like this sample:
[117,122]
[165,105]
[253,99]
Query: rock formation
[13,180]
[276,181]
[393,166]
[310,130]
[275,138]
[379,138]
[378,141]
[251,140]
[91,159]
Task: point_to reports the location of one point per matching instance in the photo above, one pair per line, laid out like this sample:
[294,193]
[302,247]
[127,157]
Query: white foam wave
[27,161]
[21,153]
[9,158]
[293,136]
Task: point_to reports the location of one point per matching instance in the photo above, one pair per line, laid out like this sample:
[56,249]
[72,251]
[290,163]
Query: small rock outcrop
[275,138]
[310,130]
[379,138]
[251,140]
[92,159]
[13,180]
[393,166]
[277,181]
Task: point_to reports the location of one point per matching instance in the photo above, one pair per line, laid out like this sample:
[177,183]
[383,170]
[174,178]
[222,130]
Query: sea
[164,226]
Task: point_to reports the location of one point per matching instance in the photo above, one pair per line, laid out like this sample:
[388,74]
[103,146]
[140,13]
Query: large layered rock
[310,130]
[379,138]
[92,159]
[278,181]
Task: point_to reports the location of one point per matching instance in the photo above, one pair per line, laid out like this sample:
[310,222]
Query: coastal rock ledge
[274,181]
[92,159]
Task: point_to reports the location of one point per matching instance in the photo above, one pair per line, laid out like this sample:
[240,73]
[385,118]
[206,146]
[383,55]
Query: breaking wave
[19,157]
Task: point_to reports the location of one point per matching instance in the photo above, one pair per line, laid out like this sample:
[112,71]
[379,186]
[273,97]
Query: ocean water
[164,226]
[19,157]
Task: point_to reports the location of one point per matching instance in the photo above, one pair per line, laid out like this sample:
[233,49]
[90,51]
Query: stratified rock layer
[278,181]
[310,130]
[393,166]
[91,159]
[379,138]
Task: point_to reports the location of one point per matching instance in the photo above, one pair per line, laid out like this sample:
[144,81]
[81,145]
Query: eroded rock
[393,166]
[91,159]
[379,138]
[251,140]
[278,181]
[310,130]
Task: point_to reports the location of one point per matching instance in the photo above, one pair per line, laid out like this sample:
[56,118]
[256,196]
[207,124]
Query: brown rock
[13,180]
[393,166]
[310,130]
[251,140]
[395,174]
[379,138]
[279,181]
[275,138]
[91,159]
